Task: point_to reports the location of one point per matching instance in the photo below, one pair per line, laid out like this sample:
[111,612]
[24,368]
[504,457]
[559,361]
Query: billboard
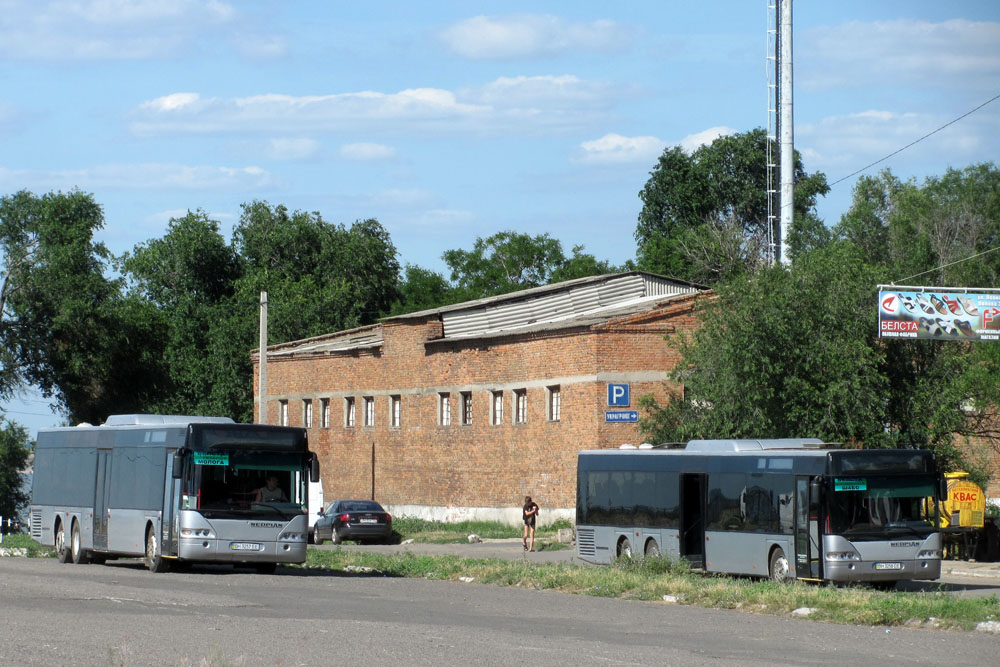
[938,313]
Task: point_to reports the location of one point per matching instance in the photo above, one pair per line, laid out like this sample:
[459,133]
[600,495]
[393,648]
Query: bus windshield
[879,506]
[230,484]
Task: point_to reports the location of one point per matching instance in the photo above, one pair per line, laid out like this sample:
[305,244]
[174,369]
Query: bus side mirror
[942,488]
[314,470]
[178,465]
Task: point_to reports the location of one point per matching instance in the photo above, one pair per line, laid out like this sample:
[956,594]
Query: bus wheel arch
[62,550]
[652,549]
[624,548]
[778,568]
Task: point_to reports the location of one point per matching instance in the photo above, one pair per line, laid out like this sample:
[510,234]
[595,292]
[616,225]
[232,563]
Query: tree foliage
[15,448]
[704,214]
[795,352]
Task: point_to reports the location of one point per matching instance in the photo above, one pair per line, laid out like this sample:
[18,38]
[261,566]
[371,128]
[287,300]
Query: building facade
[459,412]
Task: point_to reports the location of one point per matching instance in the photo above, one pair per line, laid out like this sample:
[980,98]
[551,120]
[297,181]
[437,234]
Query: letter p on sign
[618,395]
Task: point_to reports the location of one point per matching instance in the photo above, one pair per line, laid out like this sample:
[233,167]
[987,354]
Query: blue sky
[449,121]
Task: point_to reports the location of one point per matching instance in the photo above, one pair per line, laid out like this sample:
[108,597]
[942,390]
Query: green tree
[509,261]
[422,289]
[704,214]
[59,313]
[15,448]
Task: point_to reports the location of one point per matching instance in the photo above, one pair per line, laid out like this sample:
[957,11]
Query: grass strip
[652,579]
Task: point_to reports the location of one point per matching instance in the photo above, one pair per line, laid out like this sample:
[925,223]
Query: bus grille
[585,542]
[36,524]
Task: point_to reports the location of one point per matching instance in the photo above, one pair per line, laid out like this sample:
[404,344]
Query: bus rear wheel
[778,568]
[652,549]
[625,548]
[76,552]
[62,552]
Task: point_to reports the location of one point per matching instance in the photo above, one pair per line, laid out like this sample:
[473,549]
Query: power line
[957,261]
[912,143]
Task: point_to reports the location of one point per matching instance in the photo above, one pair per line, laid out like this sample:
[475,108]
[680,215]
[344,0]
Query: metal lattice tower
[771,165]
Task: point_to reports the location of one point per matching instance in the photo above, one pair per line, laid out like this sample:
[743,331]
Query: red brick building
[461,411]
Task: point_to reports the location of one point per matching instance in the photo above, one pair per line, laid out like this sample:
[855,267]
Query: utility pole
[787,146]
[262,362]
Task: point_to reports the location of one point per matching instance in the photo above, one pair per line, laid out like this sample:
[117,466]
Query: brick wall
[479,464]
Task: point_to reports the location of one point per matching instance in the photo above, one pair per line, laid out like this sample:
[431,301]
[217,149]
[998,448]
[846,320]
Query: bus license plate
[888,566]
[245,546]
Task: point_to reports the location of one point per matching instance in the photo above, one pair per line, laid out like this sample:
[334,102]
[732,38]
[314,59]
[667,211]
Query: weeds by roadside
[23,541]
[437,532]
[660,578]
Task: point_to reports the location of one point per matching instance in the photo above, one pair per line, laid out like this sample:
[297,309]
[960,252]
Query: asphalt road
[119,614]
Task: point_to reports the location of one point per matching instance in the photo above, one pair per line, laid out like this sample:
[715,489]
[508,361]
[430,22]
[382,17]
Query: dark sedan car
[358,520]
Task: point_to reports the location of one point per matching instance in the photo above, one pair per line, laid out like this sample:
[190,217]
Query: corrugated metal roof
[574,300]
[362,338]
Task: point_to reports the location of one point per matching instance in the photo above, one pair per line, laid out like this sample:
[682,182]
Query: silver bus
[784,509]
[172,490]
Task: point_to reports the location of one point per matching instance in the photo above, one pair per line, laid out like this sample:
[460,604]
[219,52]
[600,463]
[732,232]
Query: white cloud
[616,149]
[693,142]
[952,53]
[366,152]
[530,35]
[146,176]
[127,29]
[508,103]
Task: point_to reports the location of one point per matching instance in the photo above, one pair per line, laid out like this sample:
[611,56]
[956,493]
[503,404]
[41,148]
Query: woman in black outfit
[530,512]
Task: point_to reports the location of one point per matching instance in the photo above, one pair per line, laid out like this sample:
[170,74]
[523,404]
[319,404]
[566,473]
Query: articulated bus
[784,509]
[172,490]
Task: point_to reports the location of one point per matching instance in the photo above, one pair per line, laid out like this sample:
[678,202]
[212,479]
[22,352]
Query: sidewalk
[961,568]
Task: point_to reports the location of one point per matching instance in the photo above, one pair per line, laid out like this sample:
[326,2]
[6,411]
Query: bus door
[807,542]
[102,492]
[692,542]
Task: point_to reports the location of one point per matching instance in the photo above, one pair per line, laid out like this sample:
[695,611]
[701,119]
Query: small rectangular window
[555,403]
[394,408]
[369,411]
[466,407]
[520,406]
[307,413]
[324,413]
[496,408]
[349,412]
[283,413]
[444,409]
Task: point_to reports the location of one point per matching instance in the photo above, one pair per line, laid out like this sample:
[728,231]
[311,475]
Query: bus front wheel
[62,552]
[779,570]
[154,561]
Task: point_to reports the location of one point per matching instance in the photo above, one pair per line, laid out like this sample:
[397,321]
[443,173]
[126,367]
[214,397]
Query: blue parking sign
[618,395]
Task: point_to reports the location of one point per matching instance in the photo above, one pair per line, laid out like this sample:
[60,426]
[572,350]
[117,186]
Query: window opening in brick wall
[283,413]
[466,407]
[369,411]
[444,409]
[520,406]
[496,408]
[349,412]
[324,413]
[307,413]
[394,409]
[554,403]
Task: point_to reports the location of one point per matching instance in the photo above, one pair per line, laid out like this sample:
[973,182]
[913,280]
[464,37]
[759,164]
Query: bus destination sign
[203,459]
[840,484]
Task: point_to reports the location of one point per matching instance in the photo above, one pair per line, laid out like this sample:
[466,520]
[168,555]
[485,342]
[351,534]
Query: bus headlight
[843,555]
[929,553]
[292,537]
[197,532]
